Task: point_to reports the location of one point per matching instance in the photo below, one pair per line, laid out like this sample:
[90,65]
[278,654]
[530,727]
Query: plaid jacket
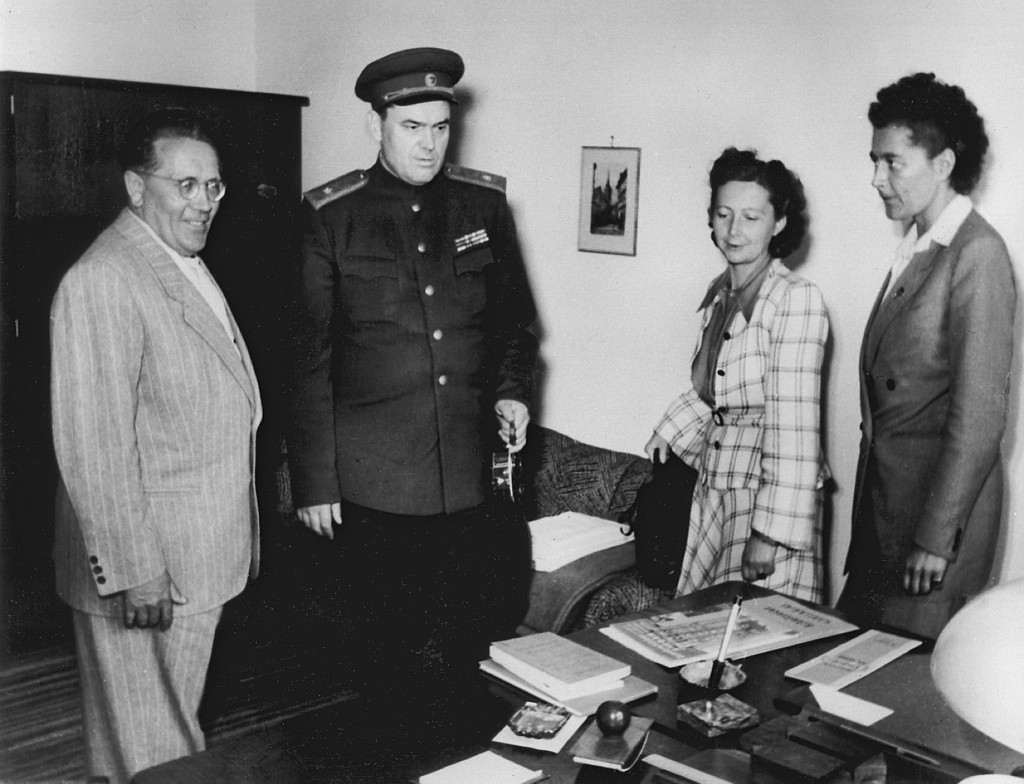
[764,433]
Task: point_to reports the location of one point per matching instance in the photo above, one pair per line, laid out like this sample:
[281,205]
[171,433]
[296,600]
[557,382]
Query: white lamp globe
[978,663]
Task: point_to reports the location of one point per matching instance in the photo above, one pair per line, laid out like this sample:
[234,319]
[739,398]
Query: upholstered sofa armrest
[562,474]
[558,598]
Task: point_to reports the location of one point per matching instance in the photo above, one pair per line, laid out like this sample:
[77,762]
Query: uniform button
[101,580]
[890,385]
[718,444]
[416,208]
[727,335]
[97,570]
[93,559]
[438,334]
[442,380]
[721,372]
[422,247]
[429,291]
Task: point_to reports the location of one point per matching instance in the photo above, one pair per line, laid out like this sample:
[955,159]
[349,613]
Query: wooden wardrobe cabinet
[59,187]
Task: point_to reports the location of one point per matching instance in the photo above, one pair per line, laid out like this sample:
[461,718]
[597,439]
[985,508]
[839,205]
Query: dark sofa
[562,474]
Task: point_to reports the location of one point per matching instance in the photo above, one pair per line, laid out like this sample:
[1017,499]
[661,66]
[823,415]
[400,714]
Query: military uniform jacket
[412,320]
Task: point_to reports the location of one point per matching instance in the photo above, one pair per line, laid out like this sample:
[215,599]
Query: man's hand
[512,413]
[320,519]
[924,572]
[657,449]
[758,559]
[151,604]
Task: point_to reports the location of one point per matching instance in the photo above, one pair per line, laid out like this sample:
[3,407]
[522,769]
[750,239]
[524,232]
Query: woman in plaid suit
[750,422]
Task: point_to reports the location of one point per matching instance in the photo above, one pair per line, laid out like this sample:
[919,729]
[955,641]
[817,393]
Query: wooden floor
[41,712]
[269,665]
[40,719]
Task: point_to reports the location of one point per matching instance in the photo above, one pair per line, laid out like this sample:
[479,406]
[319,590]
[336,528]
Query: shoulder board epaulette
[474,177]
[336,188]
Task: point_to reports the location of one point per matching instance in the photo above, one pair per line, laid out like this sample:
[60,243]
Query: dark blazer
[154,422]
[935,365]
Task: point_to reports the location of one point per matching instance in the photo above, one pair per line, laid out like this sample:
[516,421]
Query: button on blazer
[155,413]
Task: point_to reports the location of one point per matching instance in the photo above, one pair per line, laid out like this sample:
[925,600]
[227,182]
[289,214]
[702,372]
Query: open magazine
[764,624]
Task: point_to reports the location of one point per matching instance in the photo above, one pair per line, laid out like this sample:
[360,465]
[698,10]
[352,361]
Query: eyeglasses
[189,187]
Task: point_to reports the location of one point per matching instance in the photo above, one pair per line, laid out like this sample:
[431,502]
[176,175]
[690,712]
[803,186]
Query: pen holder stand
[700,673]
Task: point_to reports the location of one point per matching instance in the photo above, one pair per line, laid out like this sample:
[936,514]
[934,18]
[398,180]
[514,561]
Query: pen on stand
[719,664]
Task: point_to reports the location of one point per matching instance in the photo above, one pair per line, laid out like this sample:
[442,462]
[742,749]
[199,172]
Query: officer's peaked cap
[411,76]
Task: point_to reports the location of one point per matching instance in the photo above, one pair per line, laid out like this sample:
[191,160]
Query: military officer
[414,359]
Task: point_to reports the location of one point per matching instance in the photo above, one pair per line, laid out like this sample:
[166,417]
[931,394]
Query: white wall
[681,80]
[193,42]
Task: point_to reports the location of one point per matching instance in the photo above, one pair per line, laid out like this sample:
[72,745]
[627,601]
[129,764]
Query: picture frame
[609,195]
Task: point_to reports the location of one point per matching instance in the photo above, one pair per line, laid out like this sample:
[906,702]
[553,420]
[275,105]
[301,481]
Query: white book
[633,688]
[484,767]
[561,667]
[552,745]
[569,536]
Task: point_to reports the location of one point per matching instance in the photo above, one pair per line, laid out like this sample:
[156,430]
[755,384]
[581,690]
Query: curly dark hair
[938,116]
[785,193]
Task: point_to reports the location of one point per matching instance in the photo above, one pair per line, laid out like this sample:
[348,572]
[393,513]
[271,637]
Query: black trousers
[425,596]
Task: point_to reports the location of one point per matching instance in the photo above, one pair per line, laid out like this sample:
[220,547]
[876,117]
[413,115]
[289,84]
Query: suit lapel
[196,313]
[888,306]
[868,348]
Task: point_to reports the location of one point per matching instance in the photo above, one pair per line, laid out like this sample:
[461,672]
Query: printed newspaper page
[764,624]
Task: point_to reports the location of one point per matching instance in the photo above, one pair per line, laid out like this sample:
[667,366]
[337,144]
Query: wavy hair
[785,193]
[938,116]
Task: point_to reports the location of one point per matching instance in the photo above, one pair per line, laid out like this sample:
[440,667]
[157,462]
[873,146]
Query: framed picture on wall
[609,190]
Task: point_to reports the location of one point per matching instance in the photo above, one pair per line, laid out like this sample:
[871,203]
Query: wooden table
[919,716]
[310,749]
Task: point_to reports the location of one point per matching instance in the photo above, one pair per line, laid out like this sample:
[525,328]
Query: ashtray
[698,673]
[538,720]
[716,717]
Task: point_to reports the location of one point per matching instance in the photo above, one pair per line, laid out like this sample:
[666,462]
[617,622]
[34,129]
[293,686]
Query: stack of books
[564,672]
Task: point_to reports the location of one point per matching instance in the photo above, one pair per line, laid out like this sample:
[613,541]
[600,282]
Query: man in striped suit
[155,409]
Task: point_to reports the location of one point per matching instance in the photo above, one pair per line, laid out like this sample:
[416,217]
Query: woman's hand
[657,449]
[924,572]
[758,558]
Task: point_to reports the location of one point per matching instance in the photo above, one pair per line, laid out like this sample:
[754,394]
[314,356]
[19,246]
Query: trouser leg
[428,594]
[141,690]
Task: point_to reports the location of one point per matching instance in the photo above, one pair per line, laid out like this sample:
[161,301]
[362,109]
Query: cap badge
[430,80]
